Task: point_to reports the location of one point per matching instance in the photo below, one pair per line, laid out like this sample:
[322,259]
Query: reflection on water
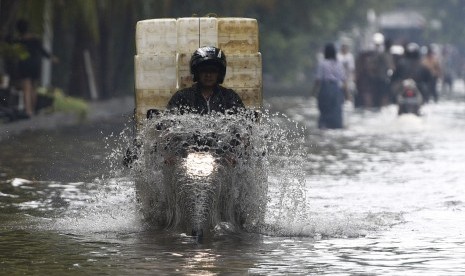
[382,197]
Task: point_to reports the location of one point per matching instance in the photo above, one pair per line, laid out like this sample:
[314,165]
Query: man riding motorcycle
[410,67]
[208,68]
[199,156]
[206,95]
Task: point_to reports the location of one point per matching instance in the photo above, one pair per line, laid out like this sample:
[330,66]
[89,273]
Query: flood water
[385,196]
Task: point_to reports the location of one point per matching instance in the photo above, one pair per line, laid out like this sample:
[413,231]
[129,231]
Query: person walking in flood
[432,62]
[329,81]
[347,60]
[29,68]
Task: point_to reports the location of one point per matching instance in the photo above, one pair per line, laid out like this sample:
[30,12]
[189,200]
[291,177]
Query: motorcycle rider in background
[411,67]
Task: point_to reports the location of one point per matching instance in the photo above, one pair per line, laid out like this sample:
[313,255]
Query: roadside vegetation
[291,32]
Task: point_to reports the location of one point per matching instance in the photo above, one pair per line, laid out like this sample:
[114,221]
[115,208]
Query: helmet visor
[208,68]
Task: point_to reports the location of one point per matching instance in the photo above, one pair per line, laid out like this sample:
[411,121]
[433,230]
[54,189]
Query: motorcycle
[409,98]
[201,175]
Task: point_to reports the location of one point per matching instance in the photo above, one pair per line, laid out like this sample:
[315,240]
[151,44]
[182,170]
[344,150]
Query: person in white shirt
[346,58]
[329,81]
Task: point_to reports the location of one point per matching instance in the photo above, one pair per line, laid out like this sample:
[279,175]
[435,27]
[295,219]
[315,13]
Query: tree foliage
[291,32]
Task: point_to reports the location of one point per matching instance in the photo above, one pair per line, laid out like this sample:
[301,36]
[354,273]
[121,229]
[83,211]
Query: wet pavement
[384,196]
[98,111]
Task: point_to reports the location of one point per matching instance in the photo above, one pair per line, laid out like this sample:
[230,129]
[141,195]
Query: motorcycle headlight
[199,164]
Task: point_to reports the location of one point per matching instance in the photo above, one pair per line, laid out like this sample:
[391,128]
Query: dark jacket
[191,100]
[31,66]
[413,69]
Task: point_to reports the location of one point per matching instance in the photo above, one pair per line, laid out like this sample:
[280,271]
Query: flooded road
[385,196]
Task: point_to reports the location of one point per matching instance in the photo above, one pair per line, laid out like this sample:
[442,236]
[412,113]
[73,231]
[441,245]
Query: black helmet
[208,55]
[412,50]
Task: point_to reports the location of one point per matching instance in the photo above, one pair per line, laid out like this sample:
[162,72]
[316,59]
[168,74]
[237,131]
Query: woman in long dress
[329,81]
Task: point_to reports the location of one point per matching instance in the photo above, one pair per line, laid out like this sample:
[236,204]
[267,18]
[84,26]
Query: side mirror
[151,113]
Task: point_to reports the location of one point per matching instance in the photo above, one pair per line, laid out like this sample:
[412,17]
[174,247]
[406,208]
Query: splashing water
[257,180]
[260,188]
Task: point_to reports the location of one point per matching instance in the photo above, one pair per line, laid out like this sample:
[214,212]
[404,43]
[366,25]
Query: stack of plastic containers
[192,32]
[164,48]
[238,38]
[154,65]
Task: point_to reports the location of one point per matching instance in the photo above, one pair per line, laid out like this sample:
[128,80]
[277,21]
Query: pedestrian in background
[347,60]
[29,68]
[329,81]
[374,68]
[431,61]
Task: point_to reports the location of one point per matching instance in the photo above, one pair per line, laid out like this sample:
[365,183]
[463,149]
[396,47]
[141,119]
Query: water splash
[258,179]
[102,206]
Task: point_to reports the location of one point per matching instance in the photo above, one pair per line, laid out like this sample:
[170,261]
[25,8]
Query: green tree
[291,32]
